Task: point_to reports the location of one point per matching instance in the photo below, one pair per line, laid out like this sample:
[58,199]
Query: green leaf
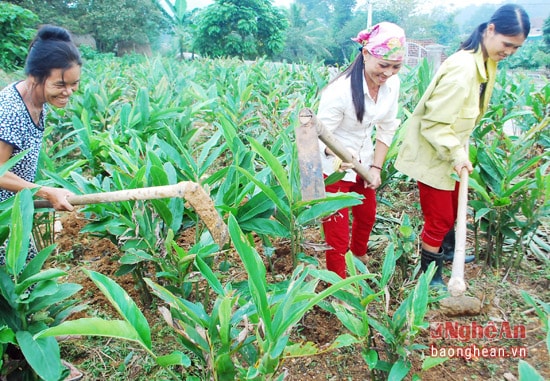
[256,273]
[119,329]
[35,265]
[125,306]
[7,335]
[40,277]
[12,161]
[42,354]
[301,349]
[399,370]
[266,226]
[388,267]
[344,340]
[209,275]
[371,358]
[174,358]
[20,231]
[430,362]
[528,373]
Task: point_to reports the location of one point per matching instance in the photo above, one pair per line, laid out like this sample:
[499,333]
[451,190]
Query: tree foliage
[178,18]
[306,39]
[240,28]
[115,22]
[110,22]
[17,30]
[546,33]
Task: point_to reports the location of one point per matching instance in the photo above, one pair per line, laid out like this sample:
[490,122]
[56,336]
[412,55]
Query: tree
[176,13]
[128,22]
[546,33]
[65,13]
[240,28]
[306,38]
[17,30]
[110,22]
[315,9]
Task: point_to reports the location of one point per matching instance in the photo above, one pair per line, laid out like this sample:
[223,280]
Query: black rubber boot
[428,257]
[448,247]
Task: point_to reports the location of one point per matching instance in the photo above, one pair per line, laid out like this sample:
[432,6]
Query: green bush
[17,30]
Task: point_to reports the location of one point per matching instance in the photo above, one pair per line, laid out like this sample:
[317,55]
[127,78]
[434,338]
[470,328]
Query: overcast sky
[191,4]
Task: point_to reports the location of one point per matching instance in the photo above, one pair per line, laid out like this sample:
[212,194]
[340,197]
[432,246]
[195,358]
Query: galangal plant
[246,334]
[31,300]
[512,190]
[280,186]
[526,371]
[388,359]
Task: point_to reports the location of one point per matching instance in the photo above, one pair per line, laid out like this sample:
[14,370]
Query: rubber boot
[428,257]
[448,247]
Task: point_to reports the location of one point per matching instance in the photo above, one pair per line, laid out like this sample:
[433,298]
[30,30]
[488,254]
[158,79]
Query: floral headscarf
[384,40]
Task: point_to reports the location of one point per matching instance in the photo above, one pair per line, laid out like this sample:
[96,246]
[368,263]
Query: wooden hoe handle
[192,192]
[334,144]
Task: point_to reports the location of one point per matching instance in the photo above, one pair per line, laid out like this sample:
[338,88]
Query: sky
[286,3]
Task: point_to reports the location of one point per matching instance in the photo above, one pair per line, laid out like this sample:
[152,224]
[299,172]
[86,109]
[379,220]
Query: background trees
[240,28]
[308,30]
[16,35]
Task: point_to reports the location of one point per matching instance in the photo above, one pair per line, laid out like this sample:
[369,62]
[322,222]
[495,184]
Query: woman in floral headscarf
[360,102]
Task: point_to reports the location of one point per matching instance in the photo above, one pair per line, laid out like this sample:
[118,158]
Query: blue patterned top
[18,129]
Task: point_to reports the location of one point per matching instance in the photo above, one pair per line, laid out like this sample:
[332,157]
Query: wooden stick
[457,286]
[192,192]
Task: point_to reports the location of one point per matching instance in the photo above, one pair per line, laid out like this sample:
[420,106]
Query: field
[261,305]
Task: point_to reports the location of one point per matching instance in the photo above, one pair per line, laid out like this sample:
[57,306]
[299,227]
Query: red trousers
[439,208]
[337,227]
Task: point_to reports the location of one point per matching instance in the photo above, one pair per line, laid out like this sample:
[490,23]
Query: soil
[501,303]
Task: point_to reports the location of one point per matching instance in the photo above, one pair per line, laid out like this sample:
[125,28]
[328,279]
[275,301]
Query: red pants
[439,208]
[336,226]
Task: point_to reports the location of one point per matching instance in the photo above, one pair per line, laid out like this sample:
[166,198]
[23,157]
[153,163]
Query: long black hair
[52,48]
[509,20]
[356,71]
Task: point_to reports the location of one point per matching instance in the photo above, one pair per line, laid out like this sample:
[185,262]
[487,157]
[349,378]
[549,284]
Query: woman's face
[378,70]
[499,46]
[60,85]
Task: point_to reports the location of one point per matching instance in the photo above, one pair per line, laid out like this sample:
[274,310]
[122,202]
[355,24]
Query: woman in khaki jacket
[437,133]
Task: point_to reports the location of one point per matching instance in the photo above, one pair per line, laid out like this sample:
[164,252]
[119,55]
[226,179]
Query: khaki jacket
[442,122]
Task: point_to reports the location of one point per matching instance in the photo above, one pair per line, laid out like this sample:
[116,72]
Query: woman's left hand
[58,197]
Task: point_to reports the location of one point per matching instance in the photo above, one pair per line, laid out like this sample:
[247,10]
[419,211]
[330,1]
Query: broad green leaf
[209,275]
[301,349]
[64,291]
[256,273]
[119,329]
[388,267]
[326,207]
[35,265]
[430,362]
[125,306]
[20,231]
[40,277]
[7,335]
[174,358]
[528,373]
[11,162]
[42,354]
[399,370]
[266,226]
[371,358]
[344,340]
